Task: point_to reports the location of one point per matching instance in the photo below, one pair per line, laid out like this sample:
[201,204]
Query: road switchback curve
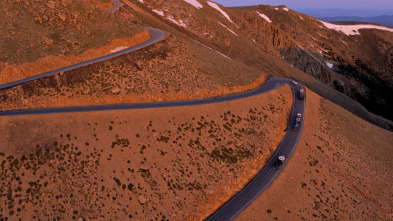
[257,185]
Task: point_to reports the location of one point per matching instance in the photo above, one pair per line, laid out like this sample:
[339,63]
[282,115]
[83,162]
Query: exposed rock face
[310,63]
[359,66]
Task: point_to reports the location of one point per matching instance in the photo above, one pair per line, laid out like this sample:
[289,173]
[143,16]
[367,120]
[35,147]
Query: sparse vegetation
[55,30]
[138,77]
[338,172]
[169,171]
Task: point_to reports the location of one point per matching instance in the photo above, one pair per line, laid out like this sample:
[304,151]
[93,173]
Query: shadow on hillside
[348,103]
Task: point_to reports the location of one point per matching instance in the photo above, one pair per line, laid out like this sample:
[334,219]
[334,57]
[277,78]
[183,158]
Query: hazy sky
[302,4]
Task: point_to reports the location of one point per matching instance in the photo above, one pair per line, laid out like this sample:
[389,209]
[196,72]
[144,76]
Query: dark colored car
[279,163]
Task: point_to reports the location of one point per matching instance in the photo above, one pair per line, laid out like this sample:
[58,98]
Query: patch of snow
[118,49]
[254,41]
[330,65]
[194,3]
[301,18]
[213,50]
[264,17]
[353,29]
[141,1]
[215,6]
[180,22]
[227,28]
[344,42]
[286,9]
[158,12]
[276,9]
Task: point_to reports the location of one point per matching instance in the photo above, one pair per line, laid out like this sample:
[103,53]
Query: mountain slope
[242,38]
[175,163]
[342,62]
[158,163]
[341,170]
[40,36]
[357,62]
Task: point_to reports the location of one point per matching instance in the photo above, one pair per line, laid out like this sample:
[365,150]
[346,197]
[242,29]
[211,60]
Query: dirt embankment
[168,163]
[341,170]
[9,73]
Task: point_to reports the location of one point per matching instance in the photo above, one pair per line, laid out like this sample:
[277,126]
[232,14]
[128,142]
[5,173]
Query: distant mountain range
[319,13]
[383,19]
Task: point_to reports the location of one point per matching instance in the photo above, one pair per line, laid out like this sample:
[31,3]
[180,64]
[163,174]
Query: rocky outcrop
[356,65]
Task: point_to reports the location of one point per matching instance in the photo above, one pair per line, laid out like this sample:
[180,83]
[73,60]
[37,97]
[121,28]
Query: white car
[294,82]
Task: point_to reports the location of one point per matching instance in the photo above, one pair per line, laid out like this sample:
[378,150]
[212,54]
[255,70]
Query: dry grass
[56,34]
[183,161]
[341,170]
[10,73]
[170,70]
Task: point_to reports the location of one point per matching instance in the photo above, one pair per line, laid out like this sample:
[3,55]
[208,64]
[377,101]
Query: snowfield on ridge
[215,6]
[353,29]
[194,3]
[264,17]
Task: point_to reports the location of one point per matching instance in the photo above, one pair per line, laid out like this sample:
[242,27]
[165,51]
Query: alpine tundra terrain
[183,163]
[40,36]
[210,45]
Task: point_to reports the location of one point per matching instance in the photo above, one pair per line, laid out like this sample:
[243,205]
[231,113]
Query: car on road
[297,122]
[279,162]
[294,82]
[302,94]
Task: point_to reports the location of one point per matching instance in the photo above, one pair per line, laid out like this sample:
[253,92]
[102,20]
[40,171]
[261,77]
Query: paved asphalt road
[117,6]
[156,35]
[264,177]
[257,185]
[271,84]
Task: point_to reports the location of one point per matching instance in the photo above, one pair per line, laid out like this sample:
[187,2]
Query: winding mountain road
[272,83]
[118,5]
[264,177]
[156,36]
[257,185]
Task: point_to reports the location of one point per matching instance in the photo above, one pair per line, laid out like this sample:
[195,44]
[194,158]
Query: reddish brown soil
[341,170]
[169,163]
[9,73]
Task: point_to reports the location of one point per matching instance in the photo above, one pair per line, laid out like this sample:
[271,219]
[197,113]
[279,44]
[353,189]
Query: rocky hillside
[356,62]
[266,39]
[182,163]
[353,59]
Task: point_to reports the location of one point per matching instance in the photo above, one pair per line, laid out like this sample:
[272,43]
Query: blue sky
[316,4]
